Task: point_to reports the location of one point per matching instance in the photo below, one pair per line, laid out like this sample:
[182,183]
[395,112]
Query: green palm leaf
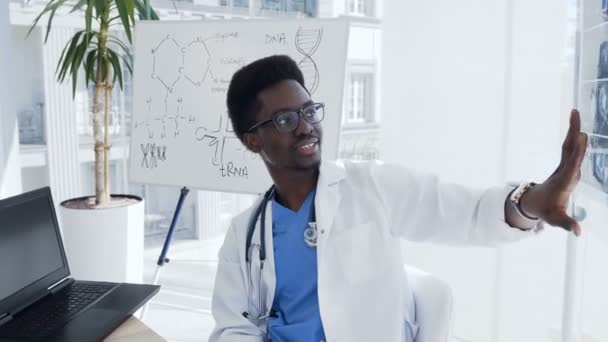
[79,5]
[89,66]
[68,57]
[117,70]
[88,15]
[125,10]
[51,7]
[142,11]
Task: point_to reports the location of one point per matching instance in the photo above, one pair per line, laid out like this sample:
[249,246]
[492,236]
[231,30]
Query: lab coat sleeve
[230,297]
[421,208]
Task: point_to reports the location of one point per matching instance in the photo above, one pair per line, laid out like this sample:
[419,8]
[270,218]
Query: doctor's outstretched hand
[549,200]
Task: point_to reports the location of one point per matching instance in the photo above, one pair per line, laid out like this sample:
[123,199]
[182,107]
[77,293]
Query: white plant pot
[105,244]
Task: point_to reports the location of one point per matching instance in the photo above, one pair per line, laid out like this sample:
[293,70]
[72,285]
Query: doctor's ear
[252,141]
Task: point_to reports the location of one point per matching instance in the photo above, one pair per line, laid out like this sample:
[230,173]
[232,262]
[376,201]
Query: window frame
[369,117]
[360,8]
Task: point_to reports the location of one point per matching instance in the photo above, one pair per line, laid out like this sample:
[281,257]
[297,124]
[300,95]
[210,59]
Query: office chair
[433,301]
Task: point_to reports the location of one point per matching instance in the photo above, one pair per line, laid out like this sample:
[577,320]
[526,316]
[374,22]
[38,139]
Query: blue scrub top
[296,301]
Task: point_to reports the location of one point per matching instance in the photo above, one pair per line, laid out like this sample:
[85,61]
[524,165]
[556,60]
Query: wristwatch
[516,196]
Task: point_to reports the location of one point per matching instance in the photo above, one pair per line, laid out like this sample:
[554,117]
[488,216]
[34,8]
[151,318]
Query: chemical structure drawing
[190,61]
[197,60]
[217,139]
[172,123]
[307,42]
[168,54]
[173,64]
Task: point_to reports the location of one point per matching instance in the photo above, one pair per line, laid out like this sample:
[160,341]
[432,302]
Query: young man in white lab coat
[342,280]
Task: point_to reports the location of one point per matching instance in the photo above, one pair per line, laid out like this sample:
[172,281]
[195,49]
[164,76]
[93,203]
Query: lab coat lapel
[328,196]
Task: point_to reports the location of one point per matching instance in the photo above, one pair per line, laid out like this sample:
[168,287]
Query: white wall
[364,42]
[471,91]
[443,62]
[533,271]
[442,67]
[34,177]
[10,172]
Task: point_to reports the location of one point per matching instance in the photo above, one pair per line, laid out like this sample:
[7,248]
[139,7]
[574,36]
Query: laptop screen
[29,245]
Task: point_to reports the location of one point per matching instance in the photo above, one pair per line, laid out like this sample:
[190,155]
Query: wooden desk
[134,330]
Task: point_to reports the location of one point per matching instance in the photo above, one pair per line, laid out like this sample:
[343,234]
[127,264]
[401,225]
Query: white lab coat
[362,208]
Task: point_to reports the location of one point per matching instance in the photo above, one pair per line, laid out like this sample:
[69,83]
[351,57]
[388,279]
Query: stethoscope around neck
[260,214]
[310,238]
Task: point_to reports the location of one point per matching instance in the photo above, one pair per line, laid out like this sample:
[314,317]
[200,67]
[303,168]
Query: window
[240,3]
[296,6]
[307,7]
[359,138]
[272,5]
[359,7]
[31,125]
[359,98]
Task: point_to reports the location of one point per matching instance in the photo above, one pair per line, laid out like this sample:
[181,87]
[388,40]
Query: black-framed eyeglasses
[287,121]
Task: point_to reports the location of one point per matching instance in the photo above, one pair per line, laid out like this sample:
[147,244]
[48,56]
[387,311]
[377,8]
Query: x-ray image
[593,12]
[600,124]
[601,115]
[600,131]
[602,66]
[600,169]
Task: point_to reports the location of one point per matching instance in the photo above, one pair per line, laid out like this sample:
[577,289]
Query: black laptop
[38,299]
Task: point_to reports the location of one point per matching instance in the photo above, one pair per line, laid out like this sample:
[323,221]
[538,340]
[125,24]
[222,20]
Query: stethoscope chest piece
[310,235]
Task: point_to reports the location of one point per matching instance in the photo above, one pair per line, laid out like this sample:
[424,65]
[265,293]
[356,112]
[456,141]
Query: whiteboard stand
[162,258]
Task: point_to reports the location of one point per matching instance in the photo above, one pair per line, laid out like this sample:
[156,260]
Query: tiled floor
[181,311]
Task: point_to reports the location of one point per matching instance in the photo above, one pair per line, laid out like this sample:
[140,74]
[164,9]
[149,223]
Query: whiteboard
[180,132]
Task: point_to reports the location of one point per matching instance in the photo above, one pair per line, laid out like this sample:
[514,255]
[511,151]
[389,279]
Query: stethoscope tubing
[260,214]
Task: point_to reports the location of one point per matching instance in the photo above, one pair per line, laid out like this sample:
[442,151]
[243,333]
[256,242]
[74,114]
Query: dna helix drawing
[307,42]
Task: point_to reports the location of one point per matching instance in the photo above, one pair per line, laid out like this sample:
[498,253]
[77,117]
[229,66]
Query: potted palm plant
[103,234]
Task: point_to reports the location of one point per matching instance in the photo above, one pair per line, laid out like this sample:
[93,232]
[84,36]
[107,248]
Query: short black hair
[250,80]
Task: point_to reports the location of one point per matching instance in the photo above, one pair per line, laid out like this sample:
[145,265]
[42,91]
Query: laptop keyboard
[54,311]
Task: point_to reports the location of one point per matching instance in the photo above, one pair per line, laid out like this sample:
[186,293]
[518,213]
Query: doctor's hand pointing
[548,201]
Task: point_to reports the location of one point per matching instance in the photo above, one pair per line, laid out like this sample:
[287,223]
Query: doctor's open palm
[548,201]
